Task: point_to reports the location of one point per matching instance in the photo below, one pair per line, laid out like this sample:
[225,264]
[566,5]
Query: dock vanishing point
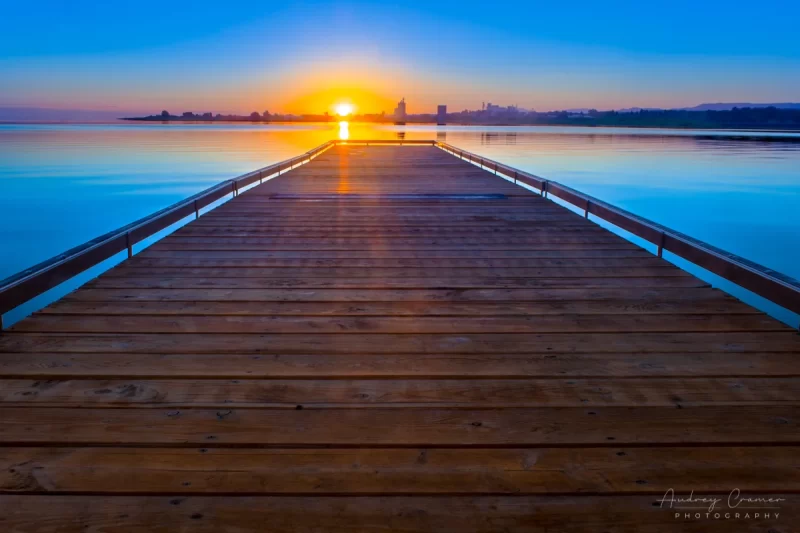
[396,338]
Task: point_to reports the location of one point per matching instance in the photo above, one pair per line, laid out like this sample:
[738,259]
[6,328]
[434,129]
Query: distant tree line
[255,116]
[737,118]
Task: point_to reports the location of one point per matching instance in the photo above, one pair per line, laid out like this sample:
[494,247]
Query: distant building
[493,109]
[400,114]
[441,115]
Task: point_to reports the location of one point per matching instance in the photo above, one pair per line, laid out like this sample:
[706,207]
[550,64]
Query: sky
[305,57]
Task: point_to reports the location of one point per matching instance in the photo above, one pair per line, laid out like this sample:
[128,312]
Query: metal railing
[765,282]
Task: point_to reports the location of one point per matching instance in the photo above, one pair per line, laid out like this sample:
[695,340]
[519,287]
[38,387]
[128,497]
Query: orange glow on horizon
[339,102]
[321,96]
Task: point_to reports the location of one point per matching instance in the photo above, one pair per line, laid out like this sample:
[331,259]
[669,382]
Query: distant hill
[43,114]
[638,109]
[728,107]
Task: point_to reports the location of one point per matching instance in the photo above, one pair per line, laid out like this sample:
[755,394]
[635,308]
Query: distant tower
[441,115]
[400,112]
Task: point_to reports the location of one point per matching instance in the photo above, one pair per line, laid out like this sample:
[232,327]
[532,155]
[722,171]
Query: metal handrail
[26,285]
[765,282]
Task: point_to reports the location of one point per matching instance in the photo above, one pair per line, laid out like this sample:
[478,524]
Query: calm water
[65,184]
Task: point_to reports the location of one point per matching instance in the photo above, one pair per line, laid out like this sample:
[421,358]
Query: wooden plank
[368,343]
[644,296]
[400,471]
[421,241]
[165,246]
[429,426]
[287,393]
[178,282]
[390,207]
[386,232]
[139,261]
[410,514]
[268,324]
[698,306]
[326,365]
[400,254]
[400,272]
[296,219]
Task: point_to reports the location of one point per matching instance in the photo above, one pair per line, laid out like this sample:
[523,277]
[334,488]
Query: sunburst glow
[344,109]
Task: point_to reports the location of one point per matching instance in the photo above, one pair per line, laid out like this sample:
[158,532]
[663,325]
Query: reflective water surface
[65,184]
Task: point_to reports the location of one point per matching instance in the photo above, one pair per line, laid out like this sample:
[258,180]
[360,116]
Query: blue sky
[244,56]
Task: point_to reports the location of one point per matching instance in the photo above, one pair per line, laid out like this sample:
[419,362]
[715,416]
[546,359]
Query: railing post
[196,211]
[588,204]
[661,245]
[129,244]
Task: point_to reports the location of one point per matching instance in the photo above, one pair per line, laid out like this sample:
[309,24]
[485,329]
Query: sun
[344,109]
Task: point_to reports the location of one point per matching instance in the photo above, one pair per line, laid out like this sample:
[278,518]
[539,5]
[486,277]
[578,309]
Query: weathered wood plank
[144,262]
[354,393]
[312,514]
[386,232]
[645,296]
[369,343]
[510,427]
[178,282]
[400,471]
[234,220]
[400,254]
[120,306]
[390,246]
[416,365]
[445,241]
[269,324]
[399,272]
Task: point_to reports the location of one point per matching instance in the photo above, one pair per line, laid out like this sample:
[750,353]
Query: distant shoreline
[121,121]
[747,118]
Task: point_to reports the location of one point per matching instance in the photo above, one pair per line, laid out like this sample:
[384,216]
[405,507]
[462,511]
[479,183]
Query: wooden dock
[390,338]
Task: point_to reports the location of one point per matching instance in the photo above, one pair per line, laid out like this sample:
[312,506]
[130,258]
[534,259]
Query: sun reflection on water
[344,130]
